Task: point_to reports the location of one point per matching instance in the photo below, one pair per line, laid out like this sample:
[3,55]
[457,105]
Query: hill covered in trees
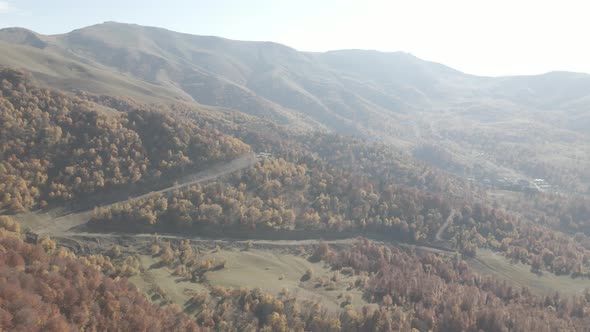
[405,152]
[56,147]
[514,127]
[307,195]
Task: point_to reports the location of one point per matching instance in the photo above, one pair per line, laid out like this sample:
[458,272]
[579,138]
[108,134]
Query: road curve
[212,173]
[47,224]
[442,229]
[65,226]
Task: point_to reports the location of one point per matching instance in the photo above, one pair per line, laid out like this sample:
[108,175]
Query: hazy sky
[496,37]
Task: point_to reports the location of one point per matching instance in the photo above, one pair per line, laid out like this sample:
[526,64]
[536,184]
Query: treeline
[56,147]
[542,248]
[527,152]
[405,290]
[435,293]
[43,289]
[379,162]
[569,213]
[280,195]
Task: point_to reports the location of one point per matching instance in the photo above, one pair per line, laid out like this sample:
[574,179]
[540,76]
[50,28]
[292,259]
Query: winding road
[49,224]
[71,226]
[442,229]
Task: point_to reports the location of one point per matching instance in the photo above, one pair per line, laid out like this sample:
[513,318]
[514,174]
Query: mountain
[391,97]
[338,89]
[334,89]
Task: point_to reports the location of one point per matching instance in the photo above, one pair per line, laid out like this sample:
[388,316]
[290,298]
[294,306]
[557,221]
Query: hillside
[57,147]
[391,97]
[214,184]
[44,289]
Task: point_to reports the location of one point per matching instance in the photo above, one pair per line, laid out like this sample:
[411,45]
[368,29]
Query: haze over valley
[386,97]
[152,180]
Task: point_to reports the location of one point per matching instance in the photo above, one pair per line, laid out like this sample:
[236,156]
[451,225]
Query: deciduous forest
[158,181]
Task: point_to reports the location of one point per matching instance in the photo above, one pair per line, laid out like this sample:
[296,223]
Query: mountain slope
[391,97]
[342,90]
[265,79]
[57,148]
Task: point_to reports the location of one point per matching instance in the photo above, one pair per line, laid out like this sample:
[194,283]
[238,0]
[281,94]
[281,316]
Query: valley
[411,103]
[216,184]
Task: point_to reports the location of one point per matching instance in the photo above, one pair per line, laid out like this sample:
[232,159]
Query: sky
[494,38]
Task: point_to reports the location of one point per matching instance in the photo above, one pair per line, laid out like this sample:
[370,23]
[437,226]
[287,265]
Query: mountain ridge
[331,89]
[394,97]
[117,23]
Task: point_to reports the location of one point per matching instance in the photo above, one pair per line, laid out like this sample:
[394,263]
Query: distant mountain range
[340,90]
[394,97]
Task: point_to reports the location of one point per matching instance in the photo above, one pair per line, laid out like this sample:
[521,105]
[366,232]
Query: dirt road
[442,229]
[70,226]
[51,224]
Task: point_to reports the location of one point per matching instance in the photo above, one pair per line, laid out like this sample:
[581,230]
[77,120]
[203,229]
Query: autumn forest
[205,205]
